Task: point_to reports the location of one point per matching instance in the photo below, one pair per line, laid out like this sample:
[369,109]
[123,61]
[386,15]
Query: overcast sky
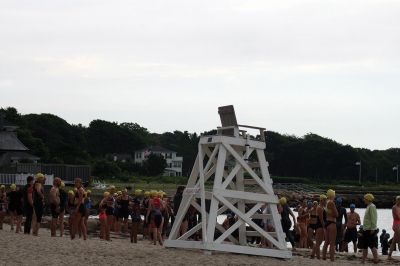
[292,66]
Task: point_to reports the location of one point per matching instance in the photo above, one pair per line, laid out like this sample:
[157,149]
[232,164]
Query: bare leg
[81,223]
[134,232]
[72,226]
[18,226]
[332,239]
[303,235]
[396,239]
[326,244]
[2,214]
[61,223]
[103,223]
[184,227]
[365,254]
[154,230]
[53,226]
[34,224]
[12,218]
[319,237]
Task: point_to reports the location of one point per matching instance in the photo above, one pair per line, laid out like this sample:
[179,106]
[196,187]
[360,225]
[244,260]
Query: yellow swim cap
[283,201]
[153,193]
[39,176]
[160,193]
[398,199]
[13,187]
[106,194]
[119,192]
[323,197]
[369,197]
[146,193]
[88,191]
[330,193]
[111,187]
[62,184]
[2,186]
[71,192]
[137,192]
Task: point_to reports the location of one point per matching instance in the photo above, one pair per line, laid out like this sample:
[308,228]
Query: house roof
[156,149]
[10,142]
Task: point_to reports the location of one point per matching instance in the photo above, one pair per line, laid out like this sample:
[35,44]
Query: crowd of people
[327,221]
[324,222]
[150,210]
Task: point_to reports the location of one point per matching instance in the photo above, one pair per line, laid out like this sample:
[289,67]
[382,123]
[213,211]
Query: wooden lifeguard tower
[230,161]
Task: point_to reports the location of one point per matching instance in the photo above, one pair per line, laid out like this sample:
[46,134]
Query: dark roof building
[12,150]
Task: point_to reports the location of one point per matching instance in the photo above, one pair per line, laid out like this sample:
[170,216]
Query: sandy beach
[19,249]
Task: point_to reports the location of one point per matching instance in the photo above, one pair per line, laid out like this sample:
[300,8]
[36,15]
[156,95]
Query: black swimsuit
[124,209]
[82,208]
[38,204]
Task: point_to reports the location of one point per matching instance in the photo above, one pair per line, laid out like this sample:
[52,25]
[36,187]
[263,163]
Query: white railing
[20,179]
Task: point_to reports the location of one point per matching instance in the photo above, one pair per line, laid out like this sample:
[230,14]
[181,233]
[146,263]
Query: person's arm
[374,217]
[30,196]
[80,199]
[395,214]
[345,216]
[334,210]
[320,213]
[358,220]
[292,214]
[148,209]
[38,188]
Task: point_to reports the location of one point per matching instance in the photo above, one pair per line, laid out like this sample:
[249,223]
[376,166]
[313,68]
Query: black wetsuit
[177,202]
[28,208]
[135,214]
[63,200]
[38,204]
[15,202]
[342,213]
[123,211]
[287,224]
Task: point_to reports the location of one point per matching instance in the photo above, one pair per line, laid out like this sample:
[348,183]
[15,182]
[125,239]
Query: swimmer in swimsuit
[331,230]
[396,226]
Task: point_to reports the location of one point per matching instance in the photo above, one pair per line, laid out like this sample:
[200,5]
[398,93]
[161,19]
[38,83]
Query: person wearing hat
[27,192]
[369,236]
[38,202]
[54,199]
[15,207]
[123,213]
[135,215]
[3,205]
[396,226]
[285,212]
[104,228]
[80,210]
[63,203]
[319,227]
[330,225]
[353,220]
[340,226]
[146,222]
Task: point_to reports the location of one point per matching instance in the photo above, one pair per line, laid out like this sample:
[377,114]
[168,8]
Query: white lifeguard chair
[226,165]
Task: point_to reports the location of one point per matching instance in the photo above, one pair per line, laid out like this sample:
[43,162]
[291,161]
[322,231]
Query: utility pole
[359,175]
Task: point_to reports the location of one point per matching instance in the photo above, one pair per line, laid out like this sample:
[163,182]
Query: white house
[174,163]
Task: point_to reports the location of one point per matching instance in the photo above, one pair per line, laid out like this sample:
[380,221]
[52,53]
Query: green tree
[154,165]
